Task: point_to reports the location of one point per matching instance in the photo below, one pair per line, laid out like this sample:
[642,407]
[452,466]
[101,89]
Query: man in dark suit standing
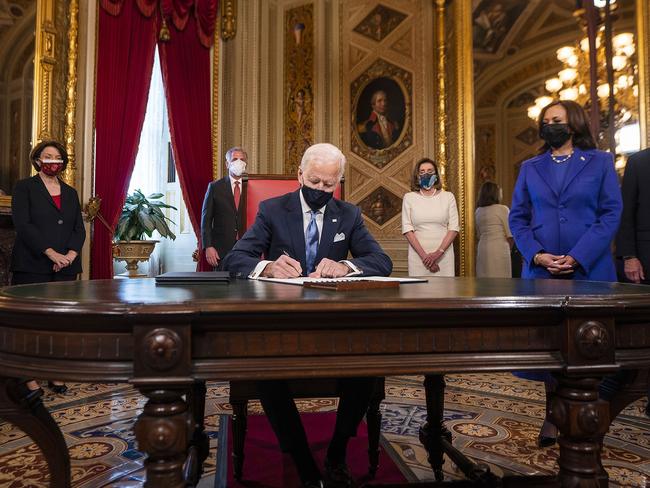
[309,233]
[223,209]
[633,238]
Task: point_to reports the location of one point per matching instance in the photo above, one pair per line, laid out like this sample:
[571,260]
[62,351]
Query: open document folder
[346,282]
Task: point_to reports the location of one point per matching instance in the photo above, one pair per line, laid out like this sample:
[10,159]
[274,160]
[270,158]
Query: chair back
[258,188]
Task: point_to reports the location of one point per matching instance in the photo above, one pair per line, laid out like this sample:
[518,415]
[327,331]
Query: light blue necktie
[311,242]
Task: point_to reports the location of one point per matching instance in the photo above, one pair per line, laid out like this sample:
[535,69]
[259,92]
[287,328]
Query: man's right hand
[283,267]
[634,270]
[212,256]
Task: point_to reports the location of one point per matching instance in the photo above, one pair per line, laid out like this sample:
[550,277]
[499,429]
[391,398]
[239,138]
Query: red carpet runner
[266,467]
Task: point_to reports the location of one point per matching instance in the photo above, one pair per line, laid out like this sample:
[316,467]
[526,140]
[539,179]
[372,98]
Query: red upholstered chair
[255,189]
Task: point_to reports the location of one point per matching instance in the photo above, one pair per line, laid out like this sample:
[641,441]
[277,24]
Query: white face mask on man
[237,167]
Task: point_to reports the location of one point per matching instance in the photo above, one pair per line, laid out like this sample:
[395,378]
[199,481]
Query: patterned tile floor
[494,418]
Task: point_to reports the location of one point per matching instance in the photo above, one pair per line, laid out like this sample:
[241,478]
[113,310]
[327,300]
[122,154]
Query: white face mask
[237,167]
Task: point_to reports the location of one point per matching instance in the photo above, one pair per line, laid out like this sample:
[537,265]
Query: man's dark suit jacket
[40,225]
[278,229]
[633,237]
[220,220]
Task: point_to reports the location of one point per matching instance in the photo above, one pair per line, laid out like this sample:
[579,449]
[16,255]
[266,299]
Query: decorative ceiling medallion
[380,22]
[528,136]
[381,205]
[381,127]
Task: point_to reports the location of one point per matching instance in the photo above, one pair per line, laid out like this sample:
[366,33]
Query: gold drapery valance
[176,11]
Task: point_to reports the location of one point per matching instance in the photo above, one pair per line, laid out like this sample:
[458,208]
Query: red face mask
[51,169]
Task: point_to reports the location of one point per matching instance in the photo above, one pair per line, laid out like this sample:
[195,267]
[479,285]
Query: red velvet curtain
[125,55]
[185,65]
[128,32]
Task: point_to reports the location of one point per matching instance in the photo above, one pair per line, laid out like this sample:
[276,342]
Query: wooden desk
[168,340]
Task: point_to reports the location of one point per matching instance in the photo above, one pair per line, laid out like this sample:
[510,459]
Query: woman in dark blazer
[566,209]
[49,227]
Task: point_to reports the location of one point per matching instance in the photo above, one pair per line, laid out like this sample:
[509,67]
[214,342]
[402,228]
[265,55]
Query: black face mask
[555,135]
[315,198]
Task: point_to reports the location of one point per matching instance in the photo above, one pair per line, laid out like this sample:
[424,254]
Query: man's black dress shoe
[647,409]
[337,475]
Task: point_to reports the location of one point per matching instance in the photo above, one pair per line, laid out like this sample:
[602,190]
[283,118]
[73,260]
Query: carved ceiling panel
[385,107]
[379,23]
[381,205]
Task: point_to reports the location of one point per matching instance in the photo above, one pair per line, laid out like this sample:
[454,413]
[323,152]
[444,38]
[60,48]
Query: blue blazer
[580,218]
[278,227]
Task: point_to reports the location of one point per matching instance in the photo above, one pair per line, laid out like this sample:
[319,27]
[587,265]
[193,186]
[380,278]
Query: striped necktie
[311,242]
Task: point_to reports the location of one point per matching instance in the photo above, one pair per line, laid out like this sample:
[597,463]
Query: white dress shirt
[232,184]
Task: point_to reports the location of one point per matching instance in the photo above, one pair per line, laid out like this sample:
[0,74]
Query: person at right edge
[566,209]
[633,238]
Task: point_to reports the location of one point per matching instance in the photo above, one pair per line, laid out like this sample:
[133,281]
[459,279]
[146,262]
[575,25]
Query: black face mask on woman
[555,135]
[315,198]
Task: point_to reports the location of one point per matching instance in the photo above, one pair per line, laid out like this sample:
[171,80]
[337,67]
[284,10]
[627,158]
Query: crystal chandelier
[573,81]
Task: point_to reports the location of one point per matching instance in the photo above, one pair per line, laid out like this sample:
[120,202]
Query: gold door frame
[49,32]
[643,47]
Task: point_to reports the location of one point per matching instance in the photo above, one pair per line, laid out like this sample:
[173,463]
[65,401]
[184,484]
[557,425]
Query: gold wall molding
[216,133]
[228,19]
[462,126]
[441,92]
[50,114]
[643,46]
[45,61]
[71,92]
[298,84]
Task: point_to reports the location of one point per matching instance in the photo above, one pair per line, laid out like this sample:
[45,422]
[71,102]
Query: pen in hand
[294,263]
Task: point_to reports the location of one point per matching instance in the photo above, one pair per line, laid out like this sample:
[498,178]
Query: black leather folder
[193,277]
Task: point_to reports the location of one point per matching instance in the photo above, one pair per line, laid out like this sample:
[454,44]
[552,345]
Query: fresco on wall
[381,205]
[492,20]
[380,22]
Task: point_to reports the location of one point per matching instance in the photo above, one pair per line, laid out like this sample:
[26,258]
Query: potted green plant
[140,217]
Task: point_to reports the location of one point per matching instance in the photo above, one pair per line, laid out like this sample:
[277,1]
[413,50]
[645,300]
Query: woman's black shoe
[60,389]
[543,441]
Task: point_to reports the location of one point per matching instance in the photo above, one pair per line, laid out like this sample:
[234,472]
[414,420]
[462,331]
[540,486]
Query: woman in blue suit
[566,209]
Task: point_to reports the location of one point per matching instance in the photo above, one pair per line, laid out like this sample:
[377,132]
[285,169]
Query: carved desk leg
[162,366]
[432,432]
[30,415]
[163,431]
[582,420]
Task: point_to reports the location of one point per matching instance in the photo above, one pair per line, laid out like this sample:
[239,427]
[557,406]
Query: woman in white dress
[494,236]
[429,223]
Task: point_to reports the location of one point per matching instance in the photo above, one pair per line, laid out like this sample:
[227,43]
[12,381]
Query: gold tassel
[164,31]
